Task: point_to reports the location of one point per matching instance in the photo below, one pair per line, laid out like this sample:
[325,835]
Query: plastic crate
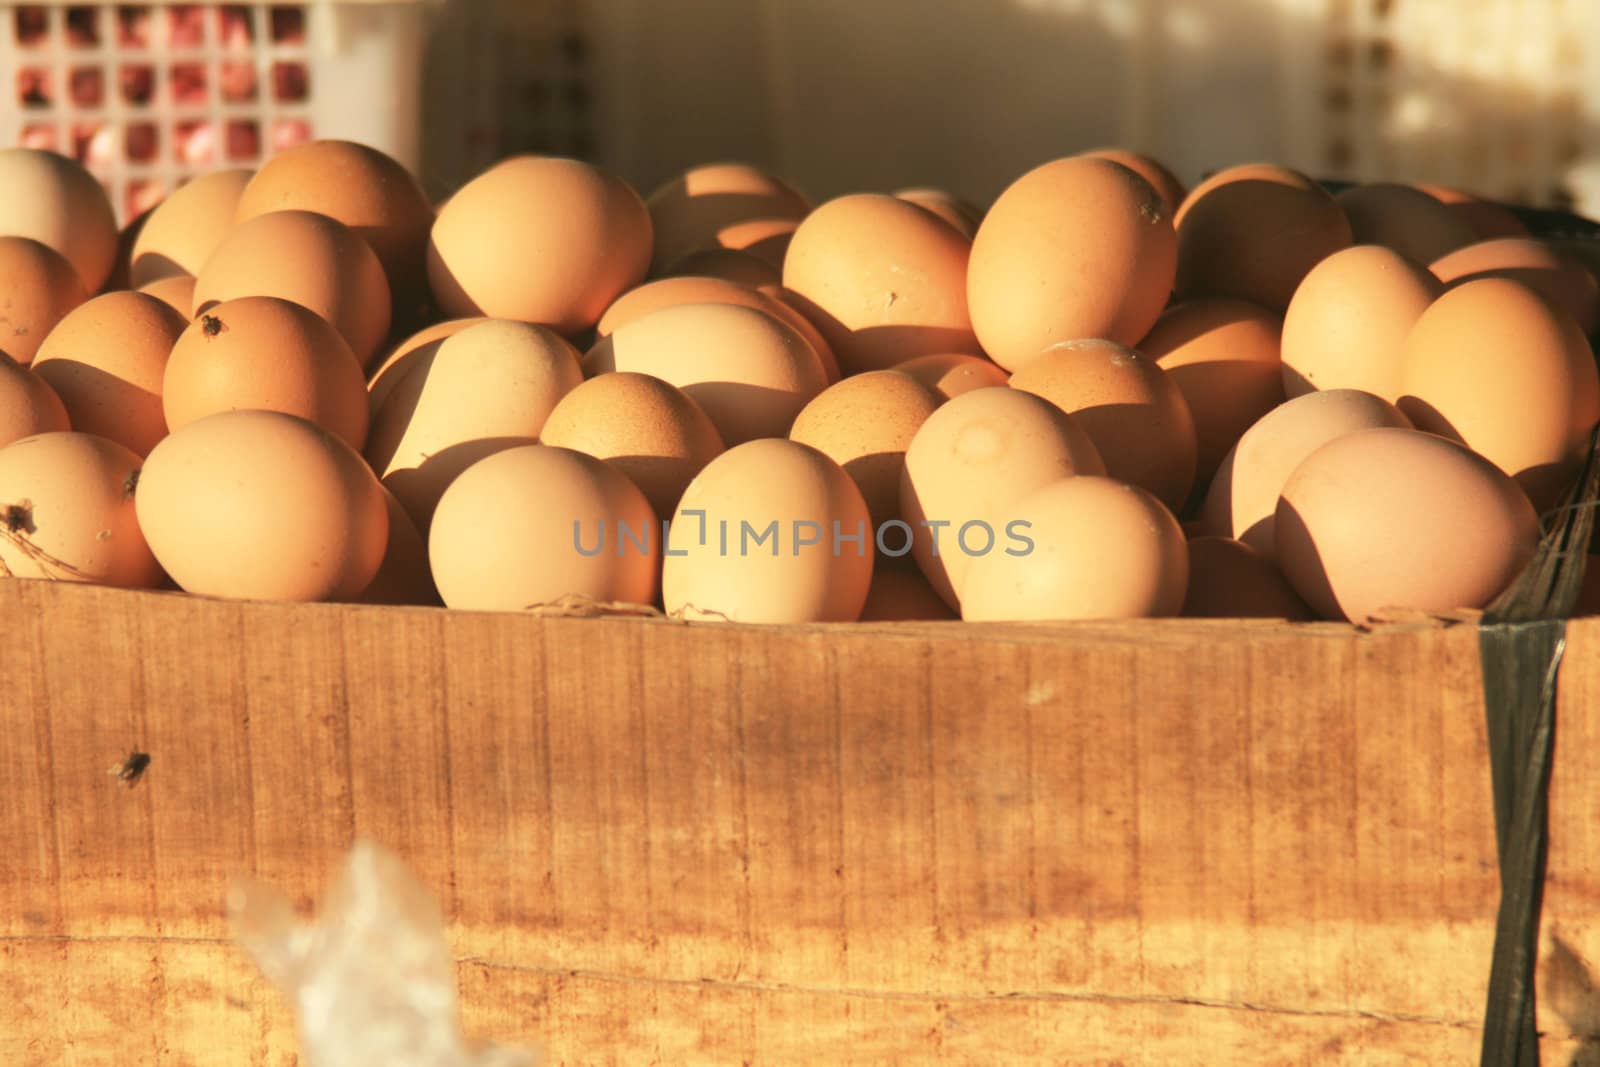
[149,94]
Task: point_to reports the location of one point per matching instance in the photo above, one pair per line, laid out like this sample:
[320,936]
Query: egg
[730,264]
[649,430]
[485,389]
[539,239]
[1074,248]
[1087,548]
[1346,326]
[1405,220]
[184,229]
[1230,580]
[263,353]
[409,353]
[1562,280]
[532,525]
[750,371]
[28,405]
[1253,232]
[952,374]
[106,360]
[709,207]
[882,279]
[1223,355]
[261,505]
[1162,180]
[971,459]
[405,576]
[175,290]
[40,287]
[67,512]
[898,594]
[864,424]
[1394,519]
[55,201]
[766,239]
[771,531]
[961,216]
[1243,497]
[1486,218]
[307,258]
[1501,368]
[1135,416]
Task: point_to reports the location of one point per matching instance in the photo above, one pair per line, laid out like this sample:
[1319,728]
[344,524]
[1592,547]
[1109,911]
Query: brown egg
[766,239]
[184,229]
[970,461]
[730,264]
[882,279]
[405,576]
[121,267]
[1081,548]
[1072,249]
[898,594]
[958,213]
[649,430]
[1501,368]
[697,209]
[1253,232]
[175,290]
[1223,357]
[58,203]
[28,405]
[1347,324]
[952,374]
[1135,416]
[263,353]
[310,259]
[361,187]
[539,239]
[1395,519]
[772,532]
[485,389]
[1230,580]
[1244,495]
[67,504]
[1162,180]
[751,372]
[408,353]
[534,525]
[40,288]
[865,424]
[106,361]
[1404,220]
[1563,281]
[1486,218]
[260,505]
[671,292]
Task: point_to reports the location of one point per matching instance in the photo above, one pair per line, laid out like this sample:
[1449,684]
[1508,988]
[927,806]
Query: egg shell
[405,576]
[309,259]
[695,210]
[970,460]
[952,374]
[882,279]
[1230,580]
[1223,355]
[1162,180]
[738,546]
[175,290]
[1487,219]
[67,503]
[1253,232]
[408,353]
[865,424]
[1346,327]
[58,203]
[1243,497]
[1081,548]
[531,525]
[750,371]
[1074,248]
[28,405]
[766,239]
[649,430]
[1405,220]
[40,288]
[1563,281]
[898,594]
[1395,519]
[960,215]
[730,264]
[539,239]
[106,361]
[180,234]
[1501,368]
[260,505]
[263,353]
[121,267]
[485,389]
[1135,416]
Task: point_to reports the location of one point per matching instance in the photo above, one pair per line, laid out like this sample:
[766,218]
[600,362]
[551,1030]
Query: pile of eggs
[1103,397]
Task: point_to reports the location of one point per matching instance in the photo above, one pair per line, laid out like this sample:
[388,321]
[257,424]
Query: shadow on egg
[1302,564]
[153,266]
[419,488]
[1427,418]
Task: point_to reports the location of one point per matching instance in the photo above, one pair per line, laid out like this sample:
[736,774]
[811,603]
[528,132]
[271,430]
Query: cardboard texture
[1156,843]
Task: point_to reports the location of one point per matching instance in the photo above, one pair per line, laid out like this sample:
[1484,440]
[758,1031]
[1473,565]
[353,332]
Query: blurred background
[1501,97]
